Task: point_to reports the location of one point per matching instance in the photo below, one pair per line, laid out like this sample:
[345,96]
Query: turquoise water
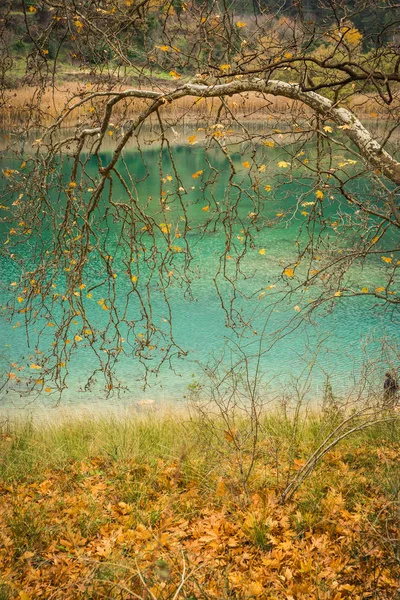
[341,340]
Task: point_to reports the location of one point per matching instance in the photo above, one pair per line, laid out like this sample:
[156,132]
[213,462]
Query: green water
[341,341]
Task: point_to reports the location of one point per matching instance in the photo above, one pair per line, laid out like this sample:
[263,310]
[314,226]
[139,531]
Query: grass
[112,506]
[36,107]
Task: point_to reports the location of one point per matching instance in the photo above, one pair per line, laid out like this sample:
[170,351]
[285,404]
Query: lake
[349,341]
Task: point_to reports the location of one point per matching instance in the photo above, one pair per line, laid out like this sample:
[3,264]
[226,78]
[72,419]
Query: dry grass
[36,107]
[33,106]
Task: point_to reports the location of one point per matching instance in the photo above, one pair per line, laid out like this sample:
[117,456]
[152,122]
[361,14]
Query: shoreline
[20,108]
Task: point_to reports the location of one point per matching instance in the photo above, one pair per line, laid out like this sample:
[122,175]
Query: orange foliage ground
[109,529]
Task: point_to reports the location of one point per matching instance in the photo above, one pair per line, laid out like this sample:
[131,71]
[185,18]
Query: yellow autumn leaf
[283,164]
[375,239]
[365,290]
[255,589]
[337,294]
[269,143]
[48,390]
[206,208]
[304,213]
[221,488]
[379,289]
[37,367]
[163,48]
[134,278]
[191,139]
[387,259]
[225,68]
[267,188]
[230,435]
[262,252]
[78,338]
[246,164]
[89,295]
[297,308]
[175,75]
[197,174]
[289,272]
[240,24]
[328,129]
[319,194]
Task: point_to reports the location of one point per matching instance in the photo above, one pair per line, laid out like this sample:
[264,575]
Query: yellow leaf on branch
[269,143]
[230,435]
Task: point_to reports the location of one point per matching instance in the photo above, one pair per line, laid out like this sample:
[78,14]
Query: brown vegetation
[25,106]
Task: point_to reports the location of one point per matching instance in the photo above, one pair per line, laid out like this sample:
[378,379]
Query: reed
[31,107]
